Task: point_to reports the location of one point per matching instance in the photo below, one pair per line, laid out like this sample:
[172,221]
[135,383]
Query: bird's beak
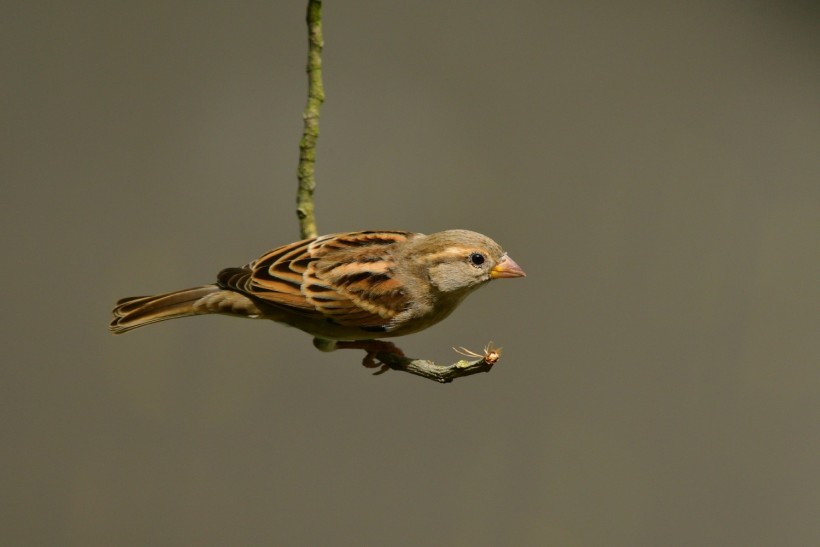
[507,268]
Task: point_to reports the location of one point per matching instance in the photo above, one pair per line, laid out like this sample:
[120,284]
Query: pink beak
[507,268]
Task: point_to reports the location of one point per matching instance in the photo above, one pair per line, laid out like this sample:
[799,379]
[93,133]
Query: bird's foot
[373,348]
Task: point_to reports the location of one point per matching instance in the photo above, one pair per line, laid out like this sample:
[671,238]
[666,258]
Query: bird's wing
[348,278]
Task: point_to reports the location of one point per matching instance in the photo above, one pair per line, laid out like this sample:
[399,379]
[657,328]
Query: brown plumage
[349,286]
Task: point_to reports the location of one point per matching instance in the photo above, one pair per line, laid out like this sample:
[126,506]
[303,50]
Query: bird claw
[373,349]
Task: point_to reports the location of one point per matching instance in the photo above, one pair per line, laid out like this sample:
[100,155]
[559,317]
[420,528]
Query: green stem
[307,184]
[310,134]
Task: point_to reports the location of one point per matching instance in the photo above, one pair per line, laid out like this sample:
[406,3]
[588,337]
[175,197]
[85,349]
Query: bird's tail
[136,311]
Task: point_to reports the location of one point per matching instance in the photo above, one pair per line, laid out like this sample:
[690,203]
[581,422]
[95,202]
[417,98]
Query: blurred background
[653,166]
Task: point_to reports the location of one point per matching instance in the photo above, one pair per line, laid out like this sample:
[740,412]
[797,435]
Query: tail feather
[136,311]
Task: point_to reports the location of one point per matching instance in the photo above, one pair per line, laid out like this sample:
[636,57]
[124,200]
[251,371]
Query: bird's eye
[477,259]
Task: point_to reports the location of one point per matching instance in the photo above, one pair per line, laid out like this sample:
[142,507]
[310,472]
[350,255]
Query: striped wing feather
[346,278]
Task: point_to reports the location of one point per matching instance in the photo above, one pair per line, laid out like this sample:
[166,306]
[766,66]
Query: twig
[305,207]
[310,134]
[428,369]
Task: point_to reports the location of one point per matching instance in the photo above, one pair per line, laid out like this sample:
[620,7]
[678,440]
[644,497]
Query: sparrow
[345,289]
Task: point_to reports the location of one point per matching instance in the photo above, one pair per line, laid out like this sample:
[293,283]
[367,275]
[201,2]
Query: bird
[348,289]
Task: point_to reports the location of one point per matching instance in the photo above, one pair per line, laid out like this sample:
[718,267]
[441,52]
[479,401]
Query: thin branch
[428,369]
[307,146]
[307,219]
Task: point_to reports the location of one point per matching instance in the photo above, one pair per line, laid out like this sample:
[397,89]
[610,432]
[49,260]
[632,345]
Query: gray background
[652,165]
